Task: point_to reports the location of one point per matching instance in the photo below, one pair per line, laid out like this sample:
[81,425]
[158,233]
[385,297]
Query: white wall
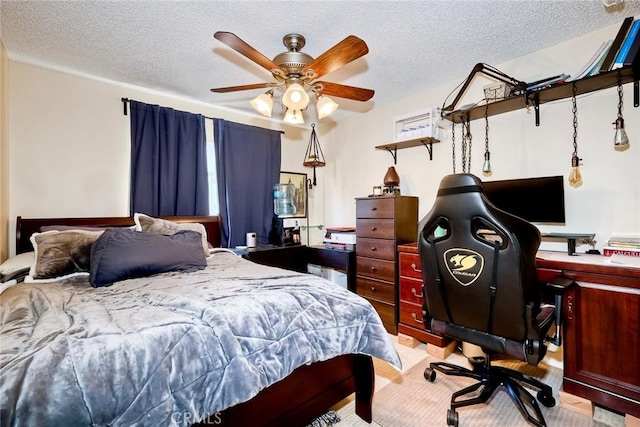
[609,200]
[69,144]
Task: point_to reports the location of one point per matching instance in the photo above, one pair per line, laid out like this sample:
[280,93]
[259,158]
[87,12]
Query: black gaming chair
[480,287]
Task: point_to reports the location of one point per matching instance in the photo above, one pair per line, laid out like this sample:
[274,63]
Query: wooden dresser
[412,298]
[382,223]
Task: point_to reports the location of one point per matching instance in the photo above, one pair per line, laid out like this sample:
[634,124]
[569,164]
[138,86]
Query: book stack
[340,238]
[619,245]
[613,54]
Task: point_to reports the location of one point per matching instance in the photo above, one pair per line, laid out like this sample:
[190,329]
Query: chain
[453,146]
[574,110]
[469,144]
[619,99]
[466,145]
[486,129]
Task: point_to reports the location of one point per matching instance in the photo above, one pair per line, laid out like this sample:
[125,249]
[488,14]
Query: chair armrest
[558,285]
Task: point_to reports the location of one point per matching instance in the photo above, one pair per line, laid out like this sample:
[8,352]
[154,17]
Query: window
[214,208]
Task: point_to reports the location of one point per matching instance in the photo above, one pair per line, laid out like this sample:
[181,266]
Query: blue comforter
[171,348]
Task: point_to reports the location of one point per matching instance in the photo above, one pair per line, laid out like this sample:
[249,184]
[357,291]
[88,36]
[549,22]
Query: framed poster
[299,181]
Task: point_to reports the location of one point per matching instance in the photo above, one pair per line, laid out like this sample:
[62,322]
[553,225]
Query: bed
[176,347]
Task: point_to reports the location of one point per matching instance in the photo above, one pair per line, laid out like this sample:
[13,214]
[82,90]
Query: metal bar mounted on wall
[125,102]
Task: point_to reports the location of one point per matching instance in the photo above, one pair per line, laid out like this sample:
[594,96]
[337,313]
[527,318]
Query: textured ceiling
[169,45]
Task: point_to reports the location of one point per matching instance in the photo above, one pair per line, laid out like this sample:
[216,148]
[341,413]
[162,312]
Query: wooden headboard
[25,227]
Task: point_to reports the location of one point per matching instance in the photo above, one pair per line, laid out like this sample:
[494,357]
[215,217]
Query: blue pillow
[122,253]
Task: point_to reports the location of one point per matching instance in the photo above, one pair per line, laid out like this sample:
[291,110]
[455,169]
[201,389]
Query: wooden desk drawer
[382,291]
[411,314]
[376,248]
[375,228]
[382,207]
[410,265]
[376,268]
[411,290]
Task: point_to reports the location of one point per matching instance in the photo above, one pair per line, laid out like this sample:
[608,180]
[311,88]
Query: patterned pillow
[162,226]
[16,263]
[61,255]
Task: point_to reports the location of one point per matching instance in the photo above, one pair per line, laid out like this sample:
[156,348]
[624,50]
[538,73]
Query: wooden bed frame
[294,401]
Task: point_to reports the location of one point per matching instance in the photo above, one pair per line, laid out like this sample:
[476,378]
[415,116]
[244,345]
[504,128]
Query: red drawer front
[375,228]
[411,314]
[375,289]
[410,265]
[411,290]
[375,208]
[376,268]
[376,248]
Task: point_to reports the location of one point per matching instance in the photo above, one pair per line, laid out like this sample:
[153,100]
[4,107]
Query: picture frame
[299,181]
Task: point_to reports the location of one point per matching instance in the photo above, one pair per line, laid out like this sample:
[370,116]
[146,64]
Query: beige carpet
[408,400]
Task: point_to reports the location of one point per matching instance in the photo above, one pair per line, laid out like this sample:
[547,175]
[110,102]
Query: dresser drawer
[376,268]
[375,289]
[375,228]
[411,290]
[381,207]
[410,265]
[376,248]
[411,314]
[387,313]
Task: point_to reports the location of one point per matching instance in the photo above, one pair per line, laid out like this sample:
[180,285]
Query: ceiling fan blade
[240,46]
[243,87]
[349,49]
[344,91]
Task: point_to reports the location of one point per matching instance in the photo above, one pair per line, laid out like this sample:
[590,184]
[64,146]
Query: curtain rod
[126,100]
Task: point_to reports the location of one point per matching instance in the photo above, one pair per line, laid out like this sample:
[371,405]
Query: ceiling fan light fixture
[295,97]
[293,116]
[263,103]
[325,106]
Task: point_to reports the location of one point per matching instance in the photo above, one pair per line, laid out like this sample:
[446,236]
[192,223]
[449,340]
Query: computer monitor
[538,200]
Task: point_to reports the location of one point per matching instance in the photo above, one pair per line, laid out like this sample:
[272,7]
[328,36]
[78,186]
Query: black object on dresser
[382,223]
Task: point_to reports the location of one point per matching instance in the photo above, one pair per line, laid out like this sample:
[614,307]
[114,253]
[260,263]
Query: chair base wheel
[452,418]
[546,399]
[429,374]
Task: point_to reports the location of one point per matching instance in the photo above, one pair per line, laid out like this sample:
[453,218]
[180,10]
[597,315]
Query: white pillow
[162,226]
[18,262]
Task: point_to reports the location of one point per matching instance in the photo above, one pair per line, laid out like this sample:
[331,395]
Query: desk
[601,334]
[297,257]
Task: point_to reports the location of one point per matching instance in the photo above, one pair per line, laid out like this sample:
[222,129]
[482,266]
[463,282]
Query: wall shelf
[565,90]
[395,146]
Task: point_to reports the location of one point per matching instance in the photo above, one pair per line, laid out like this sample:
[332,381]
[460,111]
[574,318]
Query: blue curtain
[168,161]
[248,166]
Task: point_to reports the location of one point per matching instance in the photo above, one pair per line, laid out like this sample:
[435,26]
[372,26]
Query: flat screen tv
[539,200]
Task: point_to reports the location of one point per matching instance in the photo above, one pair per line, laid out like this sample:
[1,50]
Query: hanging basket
[314,158]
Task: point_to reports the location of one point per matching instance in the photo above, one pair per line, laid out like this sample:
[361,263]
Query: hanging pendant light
[314,158]
[486,166]
[620,139]
[575,177]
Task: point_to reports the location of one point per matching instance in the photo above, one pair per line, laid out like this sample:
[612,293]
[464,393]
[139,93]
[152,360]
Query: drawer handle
[415,294]
[373,269]
[415,318]
[374,228]
[373,248]
[413,265]
[374,208]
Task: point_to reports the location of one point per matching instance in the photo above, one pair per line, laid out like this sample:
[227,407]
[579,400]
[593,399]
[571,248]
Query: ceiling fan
[297,72]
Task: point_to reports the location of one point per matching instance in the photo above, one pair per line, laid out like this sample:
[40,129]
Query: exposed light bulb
[486,166]
[575,177]
[620,139]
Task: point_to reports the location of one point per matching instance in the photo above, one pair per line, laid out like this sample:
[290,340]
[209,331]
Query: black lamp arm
[490,71]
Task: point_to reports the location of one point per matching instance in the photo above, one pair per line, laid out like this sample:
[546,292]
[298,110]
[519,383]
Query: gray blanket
[172,348]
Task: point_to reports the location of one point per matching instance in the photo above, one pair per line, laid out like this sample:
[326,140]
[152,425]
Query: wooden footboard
[305,394]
